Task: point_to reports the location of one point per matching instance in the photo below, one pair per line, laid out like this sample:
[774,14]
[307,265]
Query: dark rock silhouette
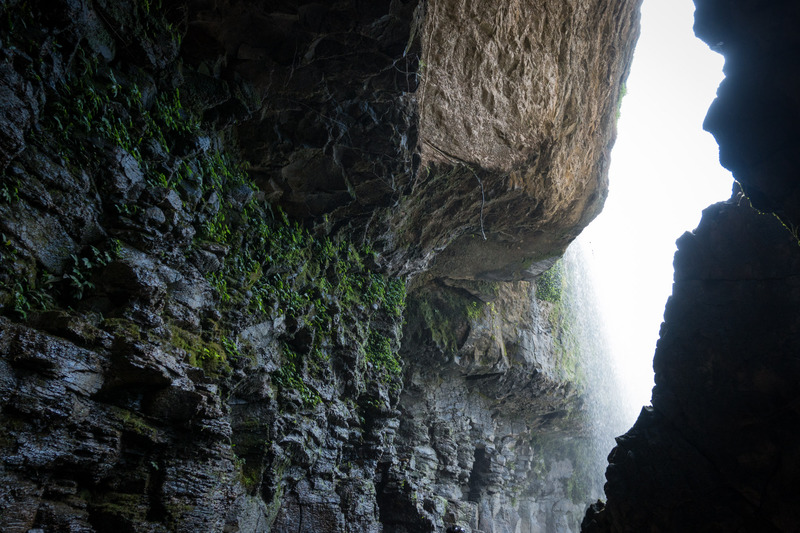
[717,450]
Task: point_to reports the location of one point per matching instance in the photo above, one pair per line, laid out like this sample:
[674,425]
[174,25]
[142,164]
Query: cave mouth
[664,172]
[478,476]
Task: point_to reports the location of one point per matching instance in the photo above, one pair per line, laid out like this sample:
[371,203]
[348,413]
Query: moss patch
[211,356]
[135,423]
[446,313]
[550,285]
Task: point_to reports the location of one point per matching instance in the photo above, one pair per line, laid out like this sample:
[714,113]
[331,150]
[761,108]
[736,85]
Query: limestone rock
[523,96]
[469,137]
[18,110]
[490,425]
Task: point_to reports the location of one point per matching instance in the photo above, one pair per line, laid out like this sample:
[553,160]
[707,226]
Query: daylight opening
[664,171]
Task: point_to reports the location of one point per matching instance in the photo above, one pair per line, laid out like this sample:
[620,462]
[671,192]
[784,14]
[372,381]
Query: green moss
[623,90]
[251,478]
[550,285]
[474,310]
[99,102]
[567,346]
[277,267]
[134,423]
[24,287]
[439,324]
[177,510]
[291,376]
[122,327]
[386,293]
[211,356]
[378,351]
[446,314]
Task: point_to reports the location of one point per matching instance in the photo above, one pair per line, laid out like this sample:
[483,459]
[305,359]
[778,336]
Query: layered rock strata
[493,432]
[209,213]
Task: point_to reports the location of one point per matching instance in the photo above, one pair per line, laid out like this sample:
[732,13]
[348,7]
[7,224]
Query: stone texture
[524,95]
[493,433]
[153,157]
[327,111]
[18,110]
[508,161]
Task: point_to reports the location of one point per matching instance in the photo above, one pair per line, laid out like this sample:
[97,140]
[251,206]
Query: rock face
[716,451]
[493,147]
[752,118]
[210,216]
[493,433]
[506,89]
[717,442]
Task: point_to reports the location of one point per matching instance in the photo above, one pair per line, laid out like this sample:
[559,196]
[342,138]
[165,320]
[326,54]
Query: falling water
[660,153]
[606,408]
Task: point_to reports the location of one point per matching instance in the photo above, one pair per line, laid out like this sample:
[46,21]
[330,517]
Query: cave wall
[178,354]
[529,91]
[211,214]
[716,450]
[753,115]
[493,433]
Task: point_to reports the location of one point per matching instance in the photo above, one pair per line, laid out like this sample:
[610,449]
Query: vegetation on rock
[550,285]
[132,226]
[207,211]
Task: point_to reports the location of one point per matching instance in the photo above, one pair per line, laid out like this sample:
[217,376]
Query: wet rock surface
[493,433]
[209,213]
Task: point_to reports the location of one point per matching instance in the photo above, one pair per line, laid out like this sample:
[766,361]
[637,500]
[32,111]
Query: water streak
[608,413]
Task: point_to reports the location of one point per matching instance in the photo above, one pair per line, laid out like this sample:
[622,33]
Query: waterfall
[608,401]
[583,336]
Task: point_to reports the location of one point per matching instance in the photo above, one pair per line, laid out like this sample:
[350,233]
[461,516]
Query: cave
[477,476]
[294,266]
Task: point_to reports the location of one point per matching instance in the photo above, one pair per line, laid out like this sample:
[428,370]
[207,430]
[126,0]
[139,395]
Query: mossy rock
[211,356]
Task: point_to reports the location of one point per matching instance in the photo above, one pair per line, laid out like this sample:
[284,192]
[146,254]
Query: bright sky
[664,171]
